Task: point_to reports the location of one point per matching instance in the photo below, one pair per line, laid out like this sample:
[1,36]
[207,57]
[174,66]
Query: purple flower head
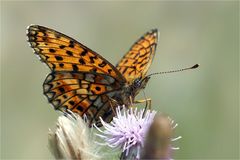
[128,129]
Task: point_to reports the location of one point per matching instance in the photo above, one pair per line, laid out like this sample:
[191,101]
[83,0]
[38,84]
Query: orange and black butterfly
[83,81]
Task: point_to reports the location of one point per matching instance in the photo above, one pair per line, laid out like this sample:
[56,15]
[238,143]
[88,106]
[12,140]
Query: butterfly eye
[137,83]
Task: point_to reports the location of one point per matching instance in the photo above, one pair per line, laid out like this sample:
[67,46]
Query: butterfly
[83,81]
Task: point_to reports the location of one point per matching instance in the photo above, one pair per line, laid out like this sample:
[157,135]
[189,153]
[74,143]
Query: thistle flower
[127,131]
[71,140]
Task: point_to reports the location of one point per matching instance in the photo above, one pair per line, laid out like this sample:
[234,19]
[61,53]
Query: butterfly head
[138,84]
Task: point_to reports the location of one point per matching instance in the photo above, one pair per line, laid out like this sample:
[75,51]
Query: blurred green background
[204,102]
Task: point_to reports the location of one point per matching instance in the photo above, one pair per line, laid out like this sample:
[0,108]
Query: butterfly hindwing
[81,92]
[138,59]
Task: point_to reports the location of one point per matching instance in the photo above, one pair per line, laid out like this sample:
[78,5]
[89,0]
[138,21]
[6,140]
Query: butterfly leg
[113,104]
[148,102]
[131,100]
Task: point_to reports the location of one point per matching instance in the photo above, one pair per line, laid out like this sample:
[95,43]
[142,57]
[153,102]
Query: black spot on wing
[61,65]
[71,45]
[84,52]
[92,58]
[80,108]
[58,58]
[75,67]
[52,50]
[109,71]
[102,64]
[98,88]
[71,102]
[81,61]
[69,53]
[61,89]
[62,46]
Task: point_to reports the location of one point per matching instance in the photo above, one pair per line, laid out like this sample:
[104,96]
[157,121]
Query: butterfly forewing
[62,53]
[136,62]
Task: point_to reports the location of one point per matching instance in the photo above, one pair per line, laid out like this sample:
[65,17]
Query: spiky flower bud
[71,140]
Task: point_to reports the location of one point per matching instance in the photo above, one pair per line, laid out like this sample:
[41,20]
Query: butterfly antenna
[179,70]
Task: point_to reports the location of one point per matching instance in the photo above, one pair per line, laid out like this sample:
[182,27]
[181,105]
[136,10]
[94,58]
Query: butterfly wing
[81,79]
[82,92]
[137,60]
[62,53]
